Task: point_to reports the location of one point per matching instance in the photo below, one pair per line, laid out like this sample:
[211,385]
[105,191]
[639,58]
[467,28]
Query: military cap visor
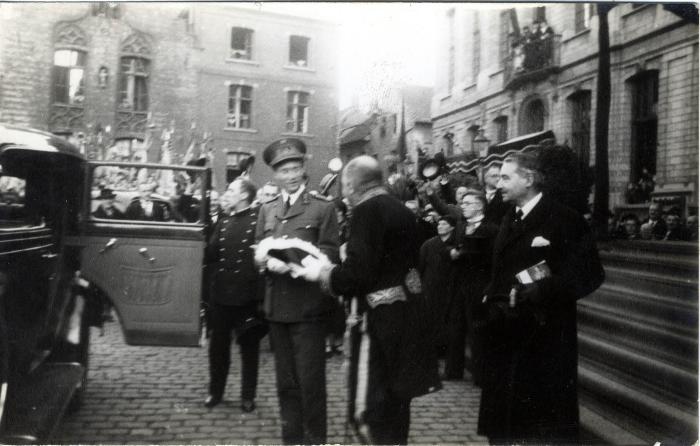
[285,149]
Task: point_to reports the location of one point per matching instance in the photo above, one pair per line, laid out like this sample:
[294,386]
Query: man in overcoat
[234,297]
[472,266]
[297,311]
[397,361]
[530,383]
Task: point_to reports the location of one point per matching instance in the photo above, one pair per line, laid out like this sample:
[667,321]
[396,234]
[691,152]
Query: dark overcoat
[232,271]
[382,248]
[436,271]
[529,388]
[311,218]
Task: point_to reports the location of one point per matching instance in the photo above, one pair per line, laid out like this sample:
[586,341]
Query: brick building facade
[119,72]
[486,83]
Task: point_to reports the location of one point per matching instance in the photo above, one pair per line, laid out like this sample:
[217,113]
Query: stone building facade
[119,74]
[487,84]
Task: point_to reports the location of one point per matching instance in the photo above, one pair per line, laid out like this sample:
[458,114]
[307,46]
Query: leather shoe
[212,401]
[247,405]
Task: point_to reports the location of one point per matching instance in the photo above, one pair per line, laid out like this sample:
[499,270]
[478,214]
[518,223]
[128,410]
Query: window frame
[294,105]
[66,70]
[134,85]
[246,52]
[307,50]
[237,99]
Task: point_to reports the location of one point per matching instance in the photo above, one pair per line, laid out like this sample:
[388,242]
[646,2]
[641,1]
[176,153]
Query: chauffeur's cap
[284,149]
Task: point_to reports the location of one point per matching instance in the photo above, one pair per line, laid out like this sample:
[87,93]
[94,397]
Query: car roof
[23,138]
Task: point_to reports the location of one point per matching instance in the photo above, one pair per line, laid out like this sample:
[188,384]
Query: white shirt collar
[293,197]
[529,205]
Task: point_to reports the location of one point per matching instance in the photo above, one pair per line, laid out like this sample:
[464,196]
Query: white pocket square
[539,242]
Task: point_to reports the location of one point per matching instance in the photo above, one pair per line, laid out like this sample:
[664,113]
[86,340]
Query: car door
[143,239]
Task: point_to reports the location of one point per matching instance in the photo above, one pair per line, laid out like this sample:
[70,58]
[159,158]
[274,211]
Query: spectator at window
[692,227]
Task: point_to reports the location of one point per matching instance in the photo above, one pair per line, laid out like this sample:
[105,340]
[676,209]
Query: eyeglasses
[470,204]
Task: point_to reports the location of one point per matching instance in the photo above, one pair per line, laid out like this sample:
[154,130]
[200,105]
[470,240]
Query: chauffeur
[297,310]
[234,295]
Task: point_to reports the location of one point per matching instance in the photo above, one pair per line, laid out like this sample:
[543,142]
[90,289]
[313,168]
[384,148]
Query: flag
[401,145]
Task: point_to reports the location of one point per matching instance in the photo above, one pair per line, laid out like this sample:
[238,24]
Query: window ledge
[253,63]
[445,97]
[491,75]
[636,10]
[469,86]
[234,129]
[292,134]
[577,35]
[297,68]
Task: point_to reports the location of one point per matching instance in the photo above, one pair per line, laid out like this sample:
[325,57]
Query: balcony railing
[532,58]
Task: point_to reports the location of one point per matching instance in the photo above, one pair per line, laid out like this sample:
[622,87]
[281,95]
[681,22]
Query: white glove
[277,266]
[312,267]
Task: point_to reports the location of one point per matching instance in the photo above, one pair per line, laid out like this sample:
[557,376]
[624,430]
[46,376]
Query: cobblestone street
[154,395]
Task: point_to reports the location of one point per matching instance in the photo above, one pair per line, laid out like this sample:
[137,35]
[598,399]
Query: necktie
[287,204]
[518,216]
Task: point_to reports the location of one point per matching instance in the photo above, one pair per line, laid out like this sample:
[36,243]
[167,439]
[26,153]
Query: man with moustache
[530,381]
[297,311]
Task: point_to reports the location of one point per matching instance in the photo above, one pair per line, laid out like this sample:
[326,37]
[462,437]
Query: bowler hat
[106,194]
[284,149]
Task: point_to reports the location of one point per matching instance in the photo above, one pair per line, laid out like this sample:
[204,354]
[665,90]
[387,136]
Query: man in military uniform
[234,295]
[297,310]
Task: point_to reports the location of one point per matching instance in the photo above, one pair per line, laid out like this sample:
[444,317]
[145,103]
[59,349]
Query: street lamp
[481,144]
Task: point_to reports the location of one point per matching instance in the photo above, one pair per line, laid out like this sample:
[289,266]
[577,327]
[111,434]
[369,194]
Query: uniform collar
[293,197]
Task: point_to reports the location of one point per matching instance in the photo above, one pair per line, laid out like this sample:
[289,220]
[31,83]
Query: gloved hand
[277,266]
[312,267]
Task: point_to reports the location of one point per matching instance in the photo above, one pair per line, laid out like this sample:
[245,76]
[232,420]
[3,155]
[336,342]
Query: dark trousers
[224,319]
[456,339]
[300,366]
[389,420]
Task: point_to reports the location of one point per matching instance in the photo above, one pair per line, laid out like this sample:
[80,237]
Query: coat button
[222,249]
[240,250]
[284,221]
[244,240]
[221,270]
[222,239]
[248,231]
[253,223]
[235,271]
[222,259]
[284,236]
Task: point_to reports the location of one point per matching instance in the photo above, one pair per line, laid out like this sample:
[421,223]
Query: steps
[638,345]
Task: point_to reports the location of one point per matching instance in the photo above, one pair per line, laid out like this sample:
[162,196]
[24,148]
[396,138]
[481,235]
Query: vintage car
[60,263]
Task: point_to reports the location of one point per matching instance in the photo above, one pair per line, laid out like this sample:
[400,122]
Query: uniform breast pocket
[307,231]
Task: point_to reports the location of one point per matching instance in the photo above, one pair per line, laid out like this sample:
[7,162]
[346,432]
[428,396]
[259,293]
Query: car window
[14,212]
[122,192]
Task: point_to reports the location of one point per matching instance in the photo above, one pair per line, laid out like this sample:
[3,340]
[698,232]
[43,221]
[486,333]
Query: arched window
[133,83]
[68,79]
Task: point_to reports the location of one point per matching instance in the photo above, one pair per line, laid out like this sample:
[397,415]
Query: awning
[499,151]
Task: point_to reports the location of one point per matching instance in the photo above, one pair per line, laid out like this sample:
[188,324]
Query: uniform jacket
[233,274]
[382,248]
[531,356]
[311,218]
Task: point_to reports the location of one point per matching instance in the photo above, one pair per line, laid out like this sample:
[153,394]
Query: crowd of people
[665,225]
[492,266]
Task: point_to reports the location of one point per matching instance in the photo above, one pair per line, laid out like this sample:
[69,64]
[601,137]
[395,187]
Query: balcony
[532,58]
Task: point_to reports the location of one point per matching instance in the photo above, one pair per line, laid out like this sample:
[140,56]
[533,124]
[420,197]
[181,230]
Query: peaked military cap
[283,150]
